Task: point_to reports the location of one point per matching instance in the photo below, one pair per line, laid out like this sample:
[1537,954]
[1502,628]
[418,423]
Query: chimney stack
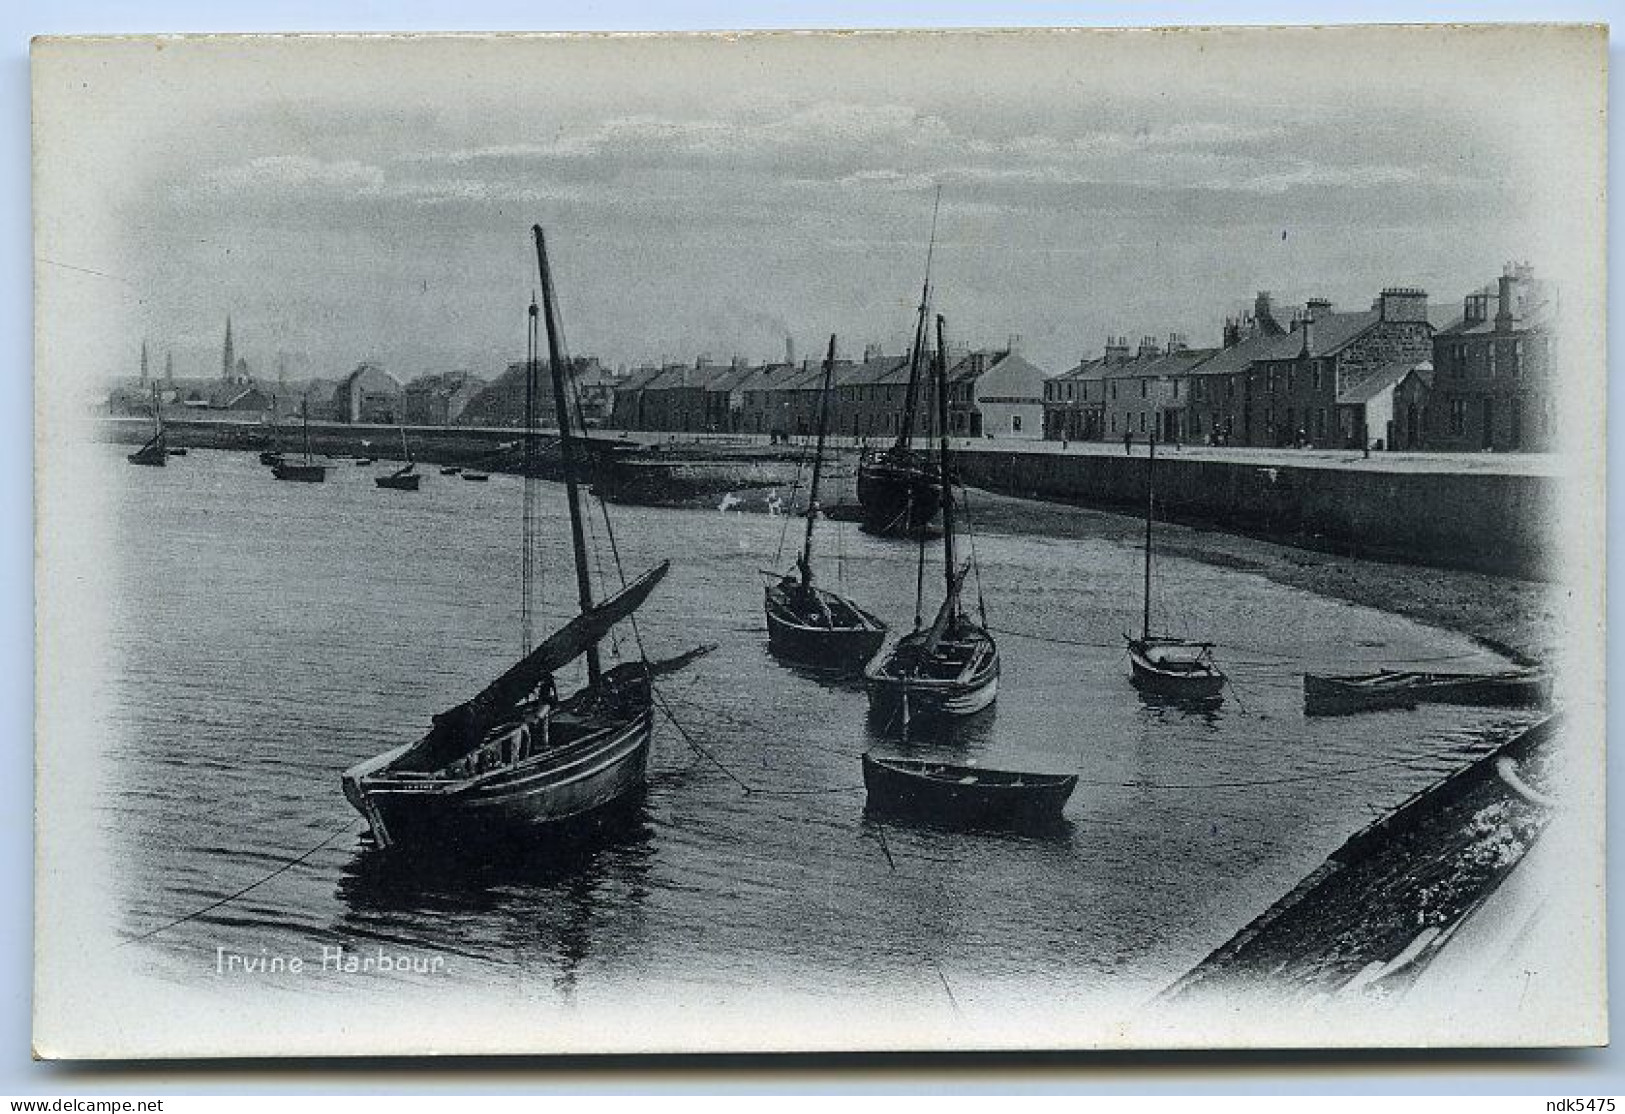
[1503,312]
[1262,309]
[1317,307]
[1116,351]
[1013,347]
[1308,327]
[789,349]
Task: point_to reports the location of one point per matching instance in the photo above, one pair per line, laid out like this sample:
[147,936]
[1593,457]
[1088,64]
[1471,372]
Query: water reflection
[560,892]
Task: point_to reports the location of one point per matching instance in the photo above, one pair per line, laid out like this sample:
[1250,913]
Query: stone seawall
[1485,521]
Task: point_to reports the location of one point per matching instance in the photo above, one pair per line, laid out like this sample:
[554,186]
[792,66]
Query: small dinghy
[452,470]
[963,794]
[1393,688]
[476,477]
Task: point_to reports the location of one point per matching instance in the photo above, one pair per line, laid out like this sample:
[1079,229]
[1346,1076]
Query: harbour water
[269,635]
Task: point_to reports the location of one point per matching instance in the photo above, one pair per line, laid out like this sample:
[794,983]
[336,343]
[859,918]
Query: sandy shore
[1517,618]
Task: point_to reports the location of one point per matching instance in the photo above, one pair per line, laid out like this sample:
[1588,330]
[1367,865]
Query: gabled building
[369,395]
[1271,390]
[995,394]
[440,399]
[1075,402]
[1491,386]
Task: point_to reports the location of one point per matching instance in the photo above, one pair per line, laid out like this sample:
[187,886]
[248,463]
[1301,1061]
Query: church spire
[143,361]
[228,363]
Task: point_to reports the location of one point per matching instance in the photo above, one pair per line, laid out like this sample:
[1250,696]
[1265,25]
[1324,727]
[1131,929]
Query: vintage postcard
[1061,539]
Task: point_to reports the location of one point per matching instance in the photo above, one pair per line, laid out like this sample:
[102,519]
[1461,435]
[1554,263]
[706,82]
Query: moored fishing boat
[305,472]
[405,478]
[517,759]
[950,668]
[954,794]
[807,623]
[1163,665]
[900,489]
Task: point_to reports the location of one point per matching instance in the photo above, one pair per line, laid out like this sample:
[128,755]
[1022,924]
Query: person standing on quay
[1128,442]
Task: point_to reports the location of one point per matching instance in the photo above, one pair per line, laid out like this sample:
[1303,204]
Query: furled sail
[558,649]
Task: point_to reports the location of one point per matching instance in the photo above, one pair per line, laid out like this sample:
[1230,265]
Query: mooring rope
[229,898]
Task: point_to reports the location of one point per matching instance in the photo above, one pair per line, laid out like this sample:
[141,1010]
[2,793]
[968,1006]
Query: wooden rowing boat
[963,794]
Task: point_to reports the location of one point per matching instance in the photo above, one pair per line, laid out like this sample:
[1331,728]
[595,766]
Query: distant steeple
[143,361]
[228,362]
[169,367]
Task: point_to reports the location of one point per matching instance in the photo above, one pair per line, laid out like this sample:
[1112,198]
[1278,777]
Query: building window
[1015,423]
[1269,380]
[1458,416]
[1316,380]
[1142,421]
[1229,386]
[1176,388]
[1517,358]
[1490,356]
[1143,385]
[1114,391]
[1114,423]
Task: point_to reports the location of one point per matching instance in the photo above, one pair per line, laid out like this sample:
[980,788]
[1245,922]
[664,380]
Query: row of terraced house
[991,393]
[1402,374]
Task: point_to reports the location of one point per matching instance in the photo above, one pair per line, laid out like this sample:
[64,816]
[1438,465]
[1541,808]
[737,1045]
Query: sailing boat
[402,479]
[898,490]
[1163,665]
[517,757]
[950,668]
[307,473]
[806,623]
[155,452]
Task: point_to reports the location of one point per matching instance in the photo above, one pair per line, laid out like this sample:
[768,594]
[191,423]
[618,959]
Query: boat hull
[148,460]
[399,483]
[1348,695]
[840,648]
[899,697]
[300,473]
[897,496]
[963,795]
[1202,682]
[270,458]
[555,789]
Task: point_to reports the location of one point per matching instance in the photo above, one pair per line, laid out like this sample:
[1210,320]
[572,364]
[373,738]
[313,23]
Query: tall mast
[922,338]
[305,406]
[947,478]
[818,466]
[1150,466]
[555,359]
[157,416]
[527,558]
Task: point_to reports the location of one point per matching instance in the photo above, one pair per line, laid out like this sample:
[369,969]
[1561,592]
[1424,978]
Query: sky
[346,200]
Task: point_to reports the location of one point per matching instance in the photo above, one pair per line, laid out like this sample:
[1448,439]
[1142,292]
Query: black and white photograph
[808,542]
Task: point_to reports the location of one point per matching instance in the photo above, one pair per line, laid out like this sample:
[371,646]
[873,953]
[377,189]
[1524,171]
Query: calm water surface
[306,627]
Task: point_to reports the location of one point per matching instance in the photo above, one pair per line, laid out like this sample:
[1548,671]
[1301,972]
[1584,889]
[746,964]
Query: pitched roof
[1181,362]
[1372,384]
[1332,333]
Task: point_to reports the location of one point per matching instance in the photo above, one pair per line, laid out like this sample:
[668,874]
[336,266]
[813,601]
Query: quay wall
[1483,521]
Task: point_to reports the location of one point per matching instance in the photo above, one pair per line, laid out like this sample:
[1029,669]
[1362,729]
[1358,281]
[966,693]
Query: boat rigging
[806,623]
